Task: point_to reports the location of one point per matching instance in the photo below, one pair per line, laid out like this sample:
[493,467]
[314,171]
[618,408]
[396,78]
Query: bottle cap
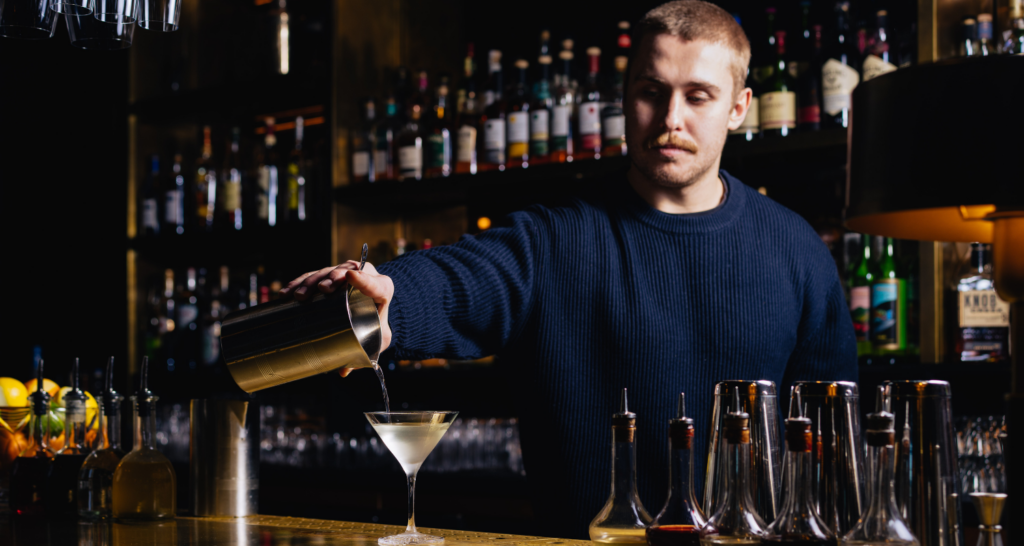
[565,55]
[544,59]
[879,430]
[593,51]
[798,429]
[736,424]
[521,64]
[680,429]
[40,398]
[623,422]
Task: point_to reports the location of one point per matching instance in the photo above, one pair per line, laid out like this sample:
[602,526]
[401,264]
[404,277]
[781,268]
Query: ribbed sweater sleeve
[465,300]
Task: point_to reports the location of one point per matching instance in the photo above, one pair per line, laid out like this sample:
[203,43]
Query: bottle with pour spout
[623,519]
[96,477]
[681,519]
[62,498]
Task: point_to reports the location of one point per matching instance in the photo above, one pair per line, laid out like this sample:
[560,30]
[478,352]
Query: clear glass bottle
[680,520]
[735,521]
[881,524]
[623,519]
[32,468]
[144,481]
[62,497]
[96,478]
[798,523]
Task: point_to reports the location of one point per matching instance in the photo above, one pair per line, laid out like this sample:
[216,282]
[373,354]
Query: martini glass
[411,436]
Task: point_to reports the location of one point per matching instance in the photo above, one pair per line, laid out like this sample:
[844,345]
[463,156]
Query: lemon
[13,393]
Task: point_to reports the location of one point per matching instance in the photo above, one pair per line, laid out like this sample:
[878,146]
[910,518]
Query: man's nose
[675,113]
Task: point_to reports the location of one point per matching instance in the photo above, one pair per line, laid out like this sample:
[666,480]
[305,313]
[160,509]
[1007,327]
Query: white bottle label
[983,309]
[174,204]
[494,134]
[752,121]
[361,163]
[149,215]
[518,128]
[539,125]
[466,144]
[778,110]
[874,66]
[590,118]
[614,127]
[380,162]
[560,120]
[837,81]
[410,160]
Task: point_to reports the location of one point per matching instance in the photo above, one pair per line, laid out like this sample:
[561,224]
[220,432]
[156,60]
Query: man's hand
[377,287]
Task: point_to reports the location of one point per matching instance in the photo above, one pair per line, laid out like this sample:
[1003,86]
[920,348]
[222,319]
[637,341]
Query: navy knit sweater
[609,292]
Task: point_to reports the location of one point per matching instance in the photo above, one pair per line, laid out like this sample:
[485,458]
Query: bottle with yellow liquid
[623,519]
[144,482]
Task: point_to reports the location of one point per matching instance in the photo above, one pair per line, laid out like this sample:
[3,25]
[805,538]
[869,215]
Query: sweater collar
[717,218]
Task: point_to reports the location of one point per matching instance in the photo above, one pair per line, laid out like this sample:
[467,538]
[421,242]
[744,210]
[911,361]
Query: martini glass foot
[409,538]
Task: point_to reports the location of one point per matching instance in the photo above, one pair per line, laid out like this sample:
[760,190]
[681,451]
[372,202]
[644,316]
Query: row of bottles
[74,481]
[544,117]
[268,187]
[978,37]
[735,520]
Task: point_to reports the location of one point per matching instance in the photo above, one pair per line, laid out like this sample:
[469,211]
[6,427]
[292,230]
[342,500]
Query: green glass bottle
[888,306]
[777,103]
[861,279]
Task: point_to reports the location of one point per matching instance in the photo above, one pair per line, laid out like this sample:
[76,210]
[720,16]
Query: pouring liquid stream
[383,387]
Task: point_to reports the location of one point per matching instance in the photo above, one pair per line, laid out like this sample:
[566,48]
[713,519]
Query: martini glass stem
[411,527]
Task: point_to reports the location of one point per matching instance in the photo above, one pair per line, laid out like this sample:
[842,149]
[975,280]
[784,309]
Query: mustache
[670,140]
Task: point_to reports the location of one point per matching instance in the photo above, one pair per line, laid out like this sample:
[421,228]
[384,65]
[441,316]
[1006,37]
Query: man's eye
[651,92]
[698,99]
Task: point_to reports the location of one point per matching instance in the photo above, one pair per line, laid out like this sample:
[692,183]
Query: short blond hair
[699,20]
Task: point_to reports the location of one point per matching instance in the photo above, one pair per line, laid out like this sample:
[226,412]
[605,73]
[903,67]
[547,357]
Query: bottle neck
[40,436]
[681,506]
[623,464]
[145,425]
[74,428]
[798,489]
[737,489]
[882,502]
[112,430]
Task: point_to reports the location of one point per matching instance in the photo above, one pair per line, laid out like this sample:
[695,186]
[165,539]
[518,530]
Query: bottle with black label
[839,75]
[983,317]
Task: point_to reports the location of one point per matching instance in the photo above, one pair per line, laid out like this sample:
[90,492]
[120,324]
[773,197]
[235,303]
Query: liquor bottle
[403,90]
[623,518]
[763,53]
[540,113]
[294,202]
[778,98]
[588,114]
[144,481]
[186,303]
[174,199]
[267,178]
[623,43]
[150,199]
[968,43]
[437,152]
[881,523]
[469,120]
[562,145]
[888,305]
[838,75]
[385,132]
[680,520]
[517,119]
[206,184]
[1013,38]
[750,127]
[409,145]
[802,49]
[879,59]
[862,277]
[62,493]
[808,116]
[613,119]
[909,261]
[31,470]
[230,205]
[362,145]
[735,520]
[96,477]
[491,148]
[798,522]
[983,317]
[986,46]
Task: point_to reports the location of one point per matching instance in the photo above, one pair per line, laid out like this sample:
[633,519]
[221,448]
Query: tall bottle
[384,133]
[863,276]
[96,477]
[517,119]
[839,74]
[230,204]
[888,305]
[144,481]
[268,181]
[986,46]
[296,196]
[881,524]
[983,317]
[808,115]
[880,59]
[735,520]
[588,114]
[151,199]
[562,111]
[469,120]
[437,150]
[31,470]
[206,184]
[968,44]
[362,145]
[409,145]
[623,519]
[491,154]
[540,113]
[174,199]
[680,520]
[778,96]
[62,496]
[613,119]
[798,523]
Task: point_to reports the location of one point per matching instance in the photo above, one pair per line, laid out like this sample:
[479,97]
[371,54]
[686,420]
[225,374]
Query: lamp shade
[935,148]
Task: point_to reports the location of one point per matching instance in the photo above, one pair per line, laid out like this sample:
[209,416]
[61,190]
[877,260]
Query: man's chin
[669,174]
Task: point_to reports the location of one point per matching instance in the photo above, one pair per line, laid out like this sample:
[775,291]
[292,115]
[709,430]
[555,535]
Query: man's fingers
[334,279]
[298,280]
[368,284]
[345,371]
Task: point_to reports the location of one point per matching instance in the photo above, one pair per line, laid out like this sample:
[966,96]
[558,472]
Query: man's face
[679,107]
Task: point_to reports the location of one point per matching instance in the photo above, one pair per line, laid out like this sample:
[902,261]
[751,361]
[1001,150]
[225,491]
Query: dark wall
[63,170]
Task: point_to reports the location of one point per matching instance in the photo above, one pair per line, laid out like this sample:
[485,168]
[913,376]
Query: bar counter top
[253,530]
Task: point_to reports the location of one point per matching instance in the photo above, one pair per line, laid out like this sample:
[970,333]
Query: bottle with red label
[808,115]
[588,113]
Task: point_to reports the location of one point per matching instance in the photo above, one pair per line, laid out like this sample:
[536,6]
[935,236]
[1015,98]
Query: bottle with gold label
[623,519]
[984,318]
[144,482]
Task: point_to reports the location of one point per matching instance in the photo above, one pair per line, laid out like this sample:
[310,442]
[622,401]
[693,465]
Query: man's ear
[739,108]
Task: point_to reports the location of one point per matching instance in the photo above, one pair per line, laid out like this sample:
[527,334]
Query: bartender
[678,276]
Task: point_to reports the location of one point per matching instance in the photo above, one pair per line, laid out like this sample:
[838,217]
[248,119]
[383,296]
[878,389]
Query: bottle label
[467,144]
[380,163]
[263,195]
[232,195]
[361,163]
[983,309]
[614,128]
[778,109]
[410,160]
[837,81]
[539,132]
[75,412]
[174,207]
[560,121]
[435,154]
[860,310]
[751,122]
[887,320]
[590,119]
[494,141]
[149,215]
[518,128]
[874,66]
[809,114]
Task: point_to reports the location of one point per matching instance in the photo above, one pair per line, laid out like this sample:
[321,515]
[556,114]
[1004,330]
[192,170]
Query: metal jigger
[990,511]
